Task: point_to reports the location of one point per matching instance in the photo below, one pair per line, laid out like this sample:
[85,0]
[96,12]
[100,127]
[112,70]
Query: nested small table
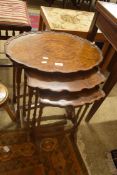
[61,70]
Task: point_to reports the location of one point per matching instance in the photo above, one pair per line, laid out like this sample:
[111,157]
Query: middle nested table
[60,70]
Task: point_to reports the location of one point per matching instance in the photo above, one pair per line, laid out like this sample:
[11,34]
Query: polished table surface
[53,52]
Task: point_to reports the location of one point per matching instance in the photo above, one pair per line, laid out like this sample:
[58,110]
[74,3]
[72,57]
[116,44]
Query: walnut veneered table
[61,69]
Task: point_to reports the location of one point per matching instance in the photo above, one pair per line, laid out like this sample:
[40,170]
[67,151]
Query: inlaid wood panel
[53,52]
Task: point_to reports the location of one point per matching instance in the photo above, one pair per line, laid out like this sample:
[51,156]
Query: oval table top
[53,52]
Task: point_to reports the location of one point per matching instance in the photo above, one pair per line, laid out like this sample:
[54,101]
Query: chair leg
[10,112]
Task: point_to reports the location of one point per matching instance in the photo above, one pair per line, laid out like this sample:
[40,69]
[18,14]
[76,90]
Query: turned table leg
[18,82]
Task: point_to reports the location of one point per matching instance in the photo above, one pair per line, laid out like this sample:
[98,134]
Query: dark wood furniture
[106,20]
[4,102]
[60,70]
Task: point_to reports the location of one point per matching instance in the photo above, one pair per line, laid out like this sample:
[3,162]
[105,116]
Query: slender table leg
[24,96]
[105,48]
[18,81]
[93,28]
[14,84]
[108,59]
[40,23]
[110,82]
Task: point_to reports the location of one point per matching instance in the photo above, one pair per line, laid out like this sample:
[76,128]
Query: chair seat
[3,94]
[66,20]
[14,13]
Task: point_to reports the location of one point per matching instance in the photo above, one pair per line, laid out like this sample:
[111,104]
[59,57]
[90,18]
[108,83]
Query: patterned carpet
[49,156]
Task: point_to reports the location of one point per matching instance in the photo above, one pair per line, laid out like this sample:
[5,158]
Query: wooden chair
[14,19]
[4,101]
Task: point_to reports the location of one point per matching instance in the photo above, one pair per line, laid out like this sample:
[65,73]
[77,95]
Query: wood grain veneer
[53,52]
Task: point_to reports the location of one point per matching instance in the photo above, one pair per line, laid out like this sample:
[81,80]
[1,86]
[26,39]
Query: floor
[96,138]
